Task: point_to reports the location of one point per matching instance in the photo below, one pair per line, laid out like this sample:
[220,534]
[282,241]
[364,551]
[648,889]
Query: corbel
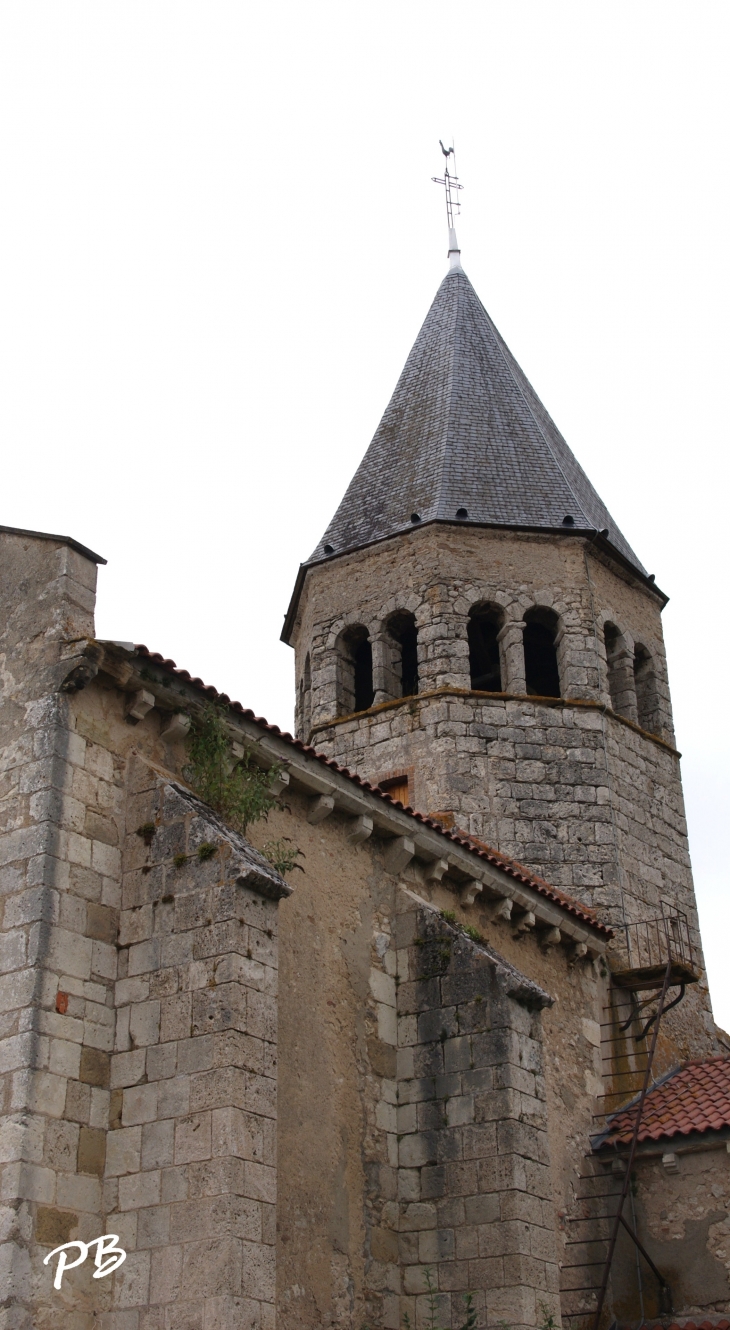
[320,808]
[361,828]
[501,910]
[399,854]
[176,727]
[550,937]
[139,705]
[470,891]
[436,870]
[279,783]
[524,922]
[578,951]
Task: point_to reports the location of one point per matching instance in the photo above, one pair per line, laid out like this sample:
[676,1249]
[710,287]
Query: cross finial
[450,182]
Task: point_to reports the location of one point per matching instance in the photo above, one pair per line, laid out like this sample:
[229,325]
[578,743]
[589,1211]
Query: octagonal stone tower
[475,634]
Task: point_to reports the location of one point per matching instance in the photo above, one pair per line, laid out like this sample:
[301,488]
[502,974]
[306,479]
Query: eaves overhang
[132,668]
[594,538]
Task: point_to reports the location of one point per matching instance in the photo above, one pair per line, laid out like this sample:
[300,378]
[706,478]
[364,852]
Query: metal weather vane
[451,185]
[450,182]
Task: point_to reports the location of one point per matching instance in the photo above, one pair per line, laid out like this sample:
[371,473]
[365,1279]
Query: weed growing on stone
[282,854]
[548,1321]
[241,791]
[473,933]
[432,1296]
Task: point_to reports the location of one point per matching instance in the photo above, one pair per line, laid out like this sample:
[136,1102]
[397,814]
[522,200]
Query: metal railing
[650,943]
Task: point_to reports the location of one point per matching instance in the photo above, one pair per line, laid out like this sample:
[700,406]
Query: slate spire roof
[464,430]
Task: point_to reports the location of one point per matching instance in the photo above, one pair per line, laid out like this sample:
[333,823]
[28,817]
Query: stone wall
[580,797]
[580,794]
[415,1126]
[137,1000]
[190,1180]
[59,890]
[477,1204]
[356,1231]
[438,574]
[681,1208]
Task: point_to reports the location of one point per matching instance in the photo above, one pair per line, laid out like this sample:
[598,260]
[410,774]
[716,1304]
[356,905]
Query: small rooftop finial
[453,206]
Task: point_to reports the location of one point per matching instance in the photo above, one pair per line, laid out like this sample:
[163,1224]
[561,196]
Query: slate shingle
[465,429]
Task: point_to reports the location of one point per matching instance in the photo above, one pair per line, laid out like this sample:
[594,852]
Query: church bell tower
[475,634]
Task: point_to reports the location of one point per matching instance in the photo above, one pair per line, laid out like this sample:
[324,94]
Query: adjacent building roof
[695,1098]
[465,437]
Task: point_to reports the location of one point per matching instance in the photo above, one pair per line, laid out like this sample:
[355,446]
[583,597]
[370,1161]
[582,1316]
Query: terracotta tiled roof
[516,870]
[694,1098]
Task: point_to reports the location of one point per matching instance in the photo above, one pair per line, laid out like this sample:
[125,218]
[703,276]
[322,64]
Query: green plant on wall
[548,1321]
[432,1308]
[282,854]
[240,791]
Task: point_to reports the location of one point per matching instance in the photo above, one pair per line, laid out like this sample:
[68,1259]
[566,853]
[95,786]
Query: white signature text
[108,1256]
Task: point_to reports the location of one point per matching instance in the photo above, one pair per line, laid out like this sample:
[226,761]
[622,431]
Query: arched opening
[305,698]
[403,632]
[613,640]
[647,702]
[483,628]
[541,658]
[355,670]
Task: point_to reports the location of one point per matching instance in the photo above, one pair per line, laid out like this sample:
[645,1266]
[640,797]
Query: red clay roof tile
[694,1098]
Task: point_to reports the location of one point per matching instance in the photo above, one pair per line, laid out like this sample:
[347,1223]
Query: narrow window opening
[647,702]
[616,687]
[355,672]
[363,658]
[541,658]
[404,633]
[484,624]
[305,698]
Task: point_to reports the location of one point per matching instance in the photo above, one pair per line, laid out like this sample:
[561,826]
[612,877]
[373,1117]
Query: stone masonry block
[144,1023]
[124,1151]
[215,1267]
[158,1143]
[235,1132]
[219,1088]
[139,1104]
[137,1190]
[193,1138]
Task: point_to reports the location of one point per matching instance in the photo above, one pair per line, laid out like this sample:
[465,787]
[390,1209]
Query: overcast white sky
[219,240]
